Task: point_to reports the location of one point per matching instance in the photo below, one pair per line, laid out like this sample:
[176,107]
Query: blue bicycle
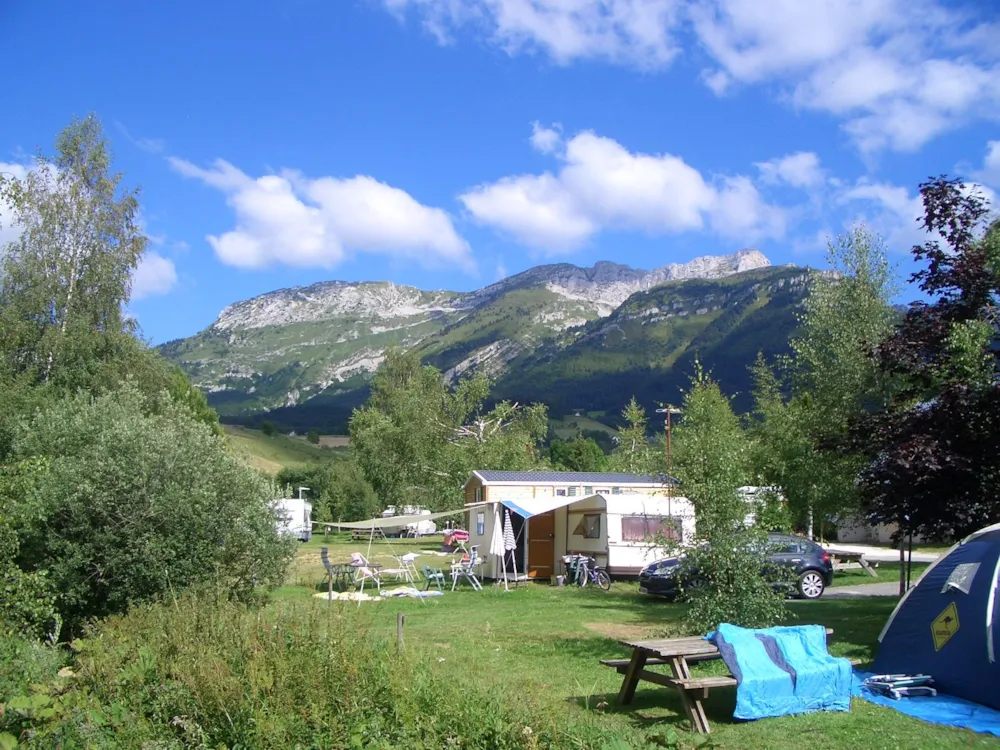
[584,569]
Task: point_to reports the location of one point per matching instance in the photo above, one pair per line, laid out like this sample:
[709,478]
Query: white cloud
[602,185]
[900,72]
[315,223]
[630,32]
[889,209]
[800,170]
[8,232]
[990,173]
[546,140]
[152,145]
[154,276]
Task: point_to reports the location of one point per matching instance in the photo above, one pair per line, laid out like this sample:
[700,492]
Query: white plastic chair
[365,571]
[466,569]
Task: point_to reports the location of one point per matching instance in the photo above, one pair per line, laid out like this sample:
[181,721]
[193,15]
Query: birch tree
[66,278]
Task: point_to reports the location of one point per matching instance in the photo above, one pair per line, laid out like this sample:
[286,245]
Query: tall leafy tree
[417,440]
[934,451]
[633,453]
[713,460]
[578,454]
[809,401]
[66,278]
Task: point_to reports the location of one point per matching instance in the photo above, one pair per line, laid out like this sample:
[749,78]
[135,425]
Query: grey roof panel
[565,477]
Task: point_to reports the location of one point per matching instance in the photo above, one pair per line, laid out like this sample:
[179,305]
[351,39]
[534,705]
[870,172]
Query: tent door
[541,545]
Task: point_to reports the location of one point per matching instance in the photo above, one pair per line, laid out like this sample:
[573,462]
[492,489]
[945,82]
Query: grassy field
[546,642]
[271,454]
[571,426]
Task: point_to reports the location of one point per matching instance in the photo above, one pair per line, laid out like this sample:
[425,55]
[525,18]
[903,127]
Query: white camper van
[415,529]
[295,518]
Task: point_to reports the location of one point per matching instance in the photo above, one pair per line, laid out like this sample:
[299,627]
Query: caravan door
[541,545]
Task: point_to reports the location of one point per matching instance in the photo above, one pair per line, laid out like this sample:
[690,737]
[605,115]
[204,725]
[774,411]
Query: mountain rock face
[308,352]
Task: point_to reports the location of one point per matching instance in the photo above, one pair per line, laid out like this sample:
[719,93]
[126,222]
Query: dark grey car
[810,565]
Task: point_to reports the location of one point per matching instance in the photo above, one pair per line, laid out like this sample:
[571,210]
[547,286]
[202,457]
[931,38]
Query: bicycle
[587,571]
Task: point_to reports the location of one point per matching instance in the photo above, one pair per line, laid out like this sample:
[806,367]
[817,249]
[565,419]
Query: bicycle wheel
[584,575]
[604,580]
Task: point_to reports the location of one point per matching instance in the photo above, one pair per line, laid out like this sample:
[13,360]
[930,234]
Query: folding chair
[332,573]
[433,575]
[466,569]
[365,571]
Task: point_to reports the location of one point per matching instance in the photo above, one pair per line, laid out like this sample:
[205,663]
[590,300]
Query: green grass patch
[884,573]
[273,453]
[544,643]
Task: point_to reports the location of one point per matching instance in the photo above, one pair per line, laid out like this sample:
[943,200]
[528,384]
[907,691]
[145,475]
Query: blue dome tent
[944,626]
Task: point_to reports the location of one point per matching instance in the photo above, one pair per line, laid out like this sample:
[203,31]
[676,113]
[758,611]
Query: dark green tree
[934,451]
[417,440]
[579,454]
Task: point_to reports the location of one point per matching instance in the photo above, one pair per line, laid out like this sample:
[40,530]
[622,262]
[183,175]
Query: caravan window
[589,526]
[650,528]
[479,494]
[560,493]
[588,491]
[572,491]
[616,490]
[481,524]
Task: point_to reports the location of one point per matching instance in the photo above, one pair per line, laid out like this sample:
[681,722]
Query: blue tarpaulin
[783,670]
[942,709]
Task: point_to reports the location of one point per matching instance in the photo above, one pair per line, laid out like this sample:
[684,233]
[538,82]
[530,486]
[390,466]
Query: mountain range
[578,339]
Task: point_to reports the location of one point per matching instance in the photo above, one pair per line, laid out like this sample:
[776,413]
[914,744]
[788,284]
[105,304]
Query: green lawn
[546,642]
[571,426]
[884,573]
[272,454]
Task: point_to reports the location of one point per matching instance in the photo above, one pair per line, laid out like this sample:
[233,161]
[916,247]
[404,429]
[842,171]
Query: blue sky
[443,143]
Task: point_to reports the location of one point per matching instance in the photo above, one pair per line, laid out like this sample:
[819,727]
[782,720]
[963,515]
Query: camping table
[679,654]
[842,559]
[341,573]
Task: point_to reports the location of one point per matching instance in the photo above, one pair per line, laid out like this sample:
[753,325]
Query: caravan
[621,520]
[414,529]
[294,518]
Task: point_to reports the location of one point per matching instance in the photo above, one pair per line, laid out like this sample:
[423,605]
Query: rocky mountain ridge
[304,347]
[605,285]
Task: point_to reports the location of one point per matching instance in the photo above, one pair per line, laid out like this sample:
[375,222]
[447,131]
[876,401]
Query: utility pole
[668,410]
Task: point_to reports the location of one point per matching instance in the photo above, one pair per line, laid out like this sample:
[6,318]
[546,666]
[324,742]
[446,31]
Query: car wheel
[811,585]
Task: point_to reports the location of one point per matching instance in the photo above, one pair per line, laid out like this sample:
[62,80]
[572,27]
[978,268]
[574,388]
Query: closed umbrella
[496,542]
[509,543]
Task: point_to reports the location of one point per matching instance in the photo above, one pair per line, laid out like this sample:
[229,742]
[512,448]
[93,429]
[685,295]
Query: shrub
[133,500]
[205,672]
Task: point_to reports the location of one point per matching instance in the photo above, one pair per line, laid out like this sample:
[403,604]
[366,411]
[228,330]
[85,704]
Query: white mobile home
[617,518]
[294,518]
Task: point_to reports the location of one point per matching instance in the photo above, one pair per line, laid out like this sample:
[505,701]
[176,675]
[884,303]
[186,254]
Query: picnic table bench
[679,654]
[842,559]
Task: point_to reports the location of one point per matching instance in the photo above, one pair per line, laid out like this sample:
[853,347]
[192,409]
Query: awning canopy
[392,521]
[537,506]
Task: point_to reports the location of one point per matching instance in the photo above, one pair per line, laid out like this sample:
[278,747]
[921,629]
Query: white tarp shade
[393,521]
[538,505]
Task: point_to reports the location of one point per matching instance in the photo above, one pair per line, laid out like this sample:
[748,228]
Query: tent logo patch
[945,625]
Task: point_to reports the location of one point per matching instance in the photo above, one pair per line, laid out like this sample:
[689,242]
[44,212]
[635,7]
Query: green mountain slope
[575,338]
[649,345]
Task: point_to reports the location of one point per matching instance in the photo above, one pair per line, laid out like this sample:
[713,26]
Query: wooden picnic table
[679,654]
[843,559]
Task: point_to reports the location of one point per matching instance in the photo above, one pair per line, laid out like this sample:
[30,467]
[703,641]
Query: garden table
[678,654]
